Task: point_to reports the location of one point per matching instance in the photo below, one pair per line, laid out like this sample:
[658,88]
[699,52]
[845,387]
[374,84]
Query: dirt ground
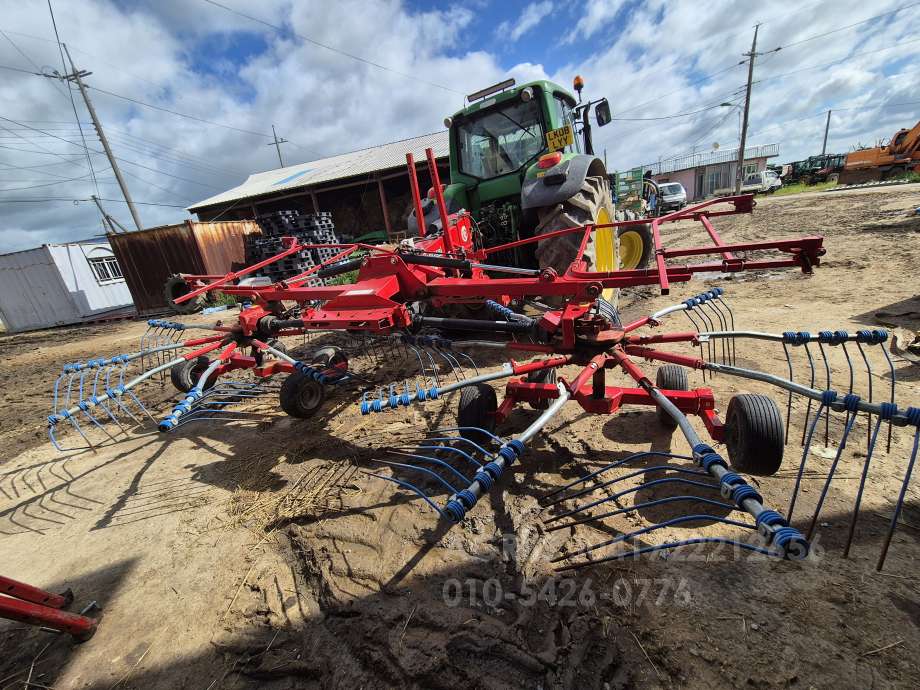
[260,553]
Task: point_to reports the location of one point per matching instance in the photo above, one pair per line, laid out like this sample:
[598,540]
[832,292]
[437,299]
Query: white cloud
[648,59]
[595,16]
[532,15]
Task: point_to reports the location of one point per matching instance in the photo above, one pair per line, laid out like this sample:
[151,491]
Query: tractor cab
[522,164]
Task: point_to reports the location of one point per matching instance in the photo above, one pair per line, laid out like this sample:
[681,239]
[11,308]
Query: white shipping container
[58,284]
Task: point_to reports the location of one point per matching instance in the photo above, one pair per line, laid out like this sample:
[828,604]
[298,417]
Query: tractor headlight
[527,94]
[448,121]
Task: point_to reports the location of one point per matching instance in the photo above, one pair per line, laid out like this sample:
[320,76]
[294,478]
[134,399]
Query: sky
[339,76]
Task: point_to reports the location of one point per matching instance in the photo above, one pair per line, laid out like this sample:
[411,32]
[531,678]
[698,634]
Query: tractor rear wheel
[591,204]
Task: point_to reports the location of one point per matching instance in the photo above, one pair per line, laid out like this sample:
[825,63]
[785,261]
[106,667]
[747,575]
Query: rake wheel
[754,434]
[301,396]
[185,376]
[477,409]
[541,376]
[670,377]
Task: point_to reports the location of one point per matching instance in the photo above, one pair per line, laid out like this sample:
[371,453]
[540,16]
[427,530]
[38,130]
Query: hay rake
[397,310]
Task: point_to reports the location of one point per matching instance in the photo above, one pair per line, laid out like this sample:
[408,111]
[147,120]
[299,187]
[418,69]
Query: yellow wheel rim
[631,247]
[605,249]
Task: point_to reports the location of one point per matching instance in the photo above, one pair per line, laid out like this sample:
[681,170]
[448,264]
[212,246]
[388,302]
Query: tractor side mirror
[602,113]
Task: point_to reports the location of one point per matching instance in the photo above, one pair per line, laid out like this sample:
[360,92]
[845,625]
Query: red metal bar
[416,194]
[20,590]
[233,276]
[671,357]
[203,351]
[786,245]
[540,364]
[439,198]
[201,341]
[301,277]
[684,337]
[81,627]
[716,238]
[659,259]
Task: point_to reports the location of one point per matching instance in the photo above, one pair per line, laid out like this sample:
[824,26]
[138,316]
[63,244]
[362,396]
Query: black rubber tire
[609,312]
[330,356]
[175,287]
[541,376]
[476,408]
[754,434]
[301,396]
[670,377]
[277,344]
[185,376]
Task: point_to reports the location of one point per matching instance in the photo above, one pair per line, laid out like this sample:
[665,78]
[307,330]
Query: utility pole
[277,144]
[827,126]
[77,76]
[747,106]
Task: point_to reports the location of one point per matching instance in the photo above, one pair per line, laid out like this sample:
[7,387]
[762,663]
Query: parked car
[763,182]
[672,197]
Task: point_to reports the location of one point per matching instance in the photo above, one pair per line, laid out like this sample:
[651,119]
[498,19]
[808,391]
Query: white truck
[763,182]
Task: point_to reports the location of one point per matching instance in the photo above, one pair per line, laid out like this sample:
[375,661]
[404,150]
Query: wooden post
[315,201]
[383,206]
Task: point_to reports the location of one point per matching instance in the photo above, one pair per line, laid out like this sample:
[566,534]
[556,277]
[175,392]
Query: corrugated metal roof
[362,162]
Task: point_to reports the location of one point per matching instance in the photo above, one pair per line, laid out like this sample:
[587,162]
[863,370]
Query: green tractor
[522,164]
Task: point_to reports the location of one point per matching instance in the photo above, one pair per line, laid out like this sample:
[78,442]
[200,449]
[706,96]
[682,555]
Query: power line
[73,105]
[848,26]
[41,200]
[666,117]
[331,48]
[124,160]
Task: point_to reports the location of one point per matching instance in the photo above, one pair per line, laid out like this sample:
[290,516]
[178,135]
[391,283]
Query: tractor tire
[591,204]
[754,434]
[185,376]
[476,408]
[301,396]
[636,244]
[670,377]
[175,287]
[541,376]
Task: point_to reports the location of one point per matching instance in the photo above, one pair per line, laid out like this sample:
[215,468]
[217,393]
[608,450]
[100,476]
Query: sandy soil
[258,554]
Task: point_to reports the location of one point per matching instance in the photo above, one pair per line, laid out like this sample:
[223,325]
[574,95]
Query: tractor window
[565,115]
[500,140]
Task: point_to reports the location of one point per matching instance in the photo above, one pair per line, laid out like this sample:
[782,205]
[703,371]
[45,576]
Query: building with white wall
[59,284]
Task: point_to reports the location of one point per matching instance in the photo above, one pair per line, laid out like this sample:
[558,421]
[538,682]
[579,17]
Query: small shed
[59,284]
[149,257]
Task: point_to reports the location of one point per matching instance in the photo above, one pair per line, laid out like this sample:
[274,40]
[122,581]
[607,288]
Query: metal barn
[58,284]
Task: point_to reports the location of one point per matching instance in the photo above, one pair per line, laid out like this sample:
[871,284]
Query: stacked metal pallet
[308,228]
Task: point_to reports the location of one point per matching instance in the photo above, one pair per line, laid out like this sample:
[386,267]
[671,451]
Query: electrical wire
[42,200]
[848,26]
[73,104]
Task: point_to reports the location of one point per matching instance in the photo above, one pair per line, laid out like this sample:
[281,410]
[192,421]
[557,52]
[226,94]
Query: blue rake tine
[811,384]
[865,359]
[438,449]
[411,487]
[696,326]
[613,465]
[475,445]
[913,416]
[639,506]
[827,376]
[870,449]
[425,470]
[440,463]
[851,401]
[669,547]
[629,536]
[630,475]
[824,406]
[468,428]
[632,490]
